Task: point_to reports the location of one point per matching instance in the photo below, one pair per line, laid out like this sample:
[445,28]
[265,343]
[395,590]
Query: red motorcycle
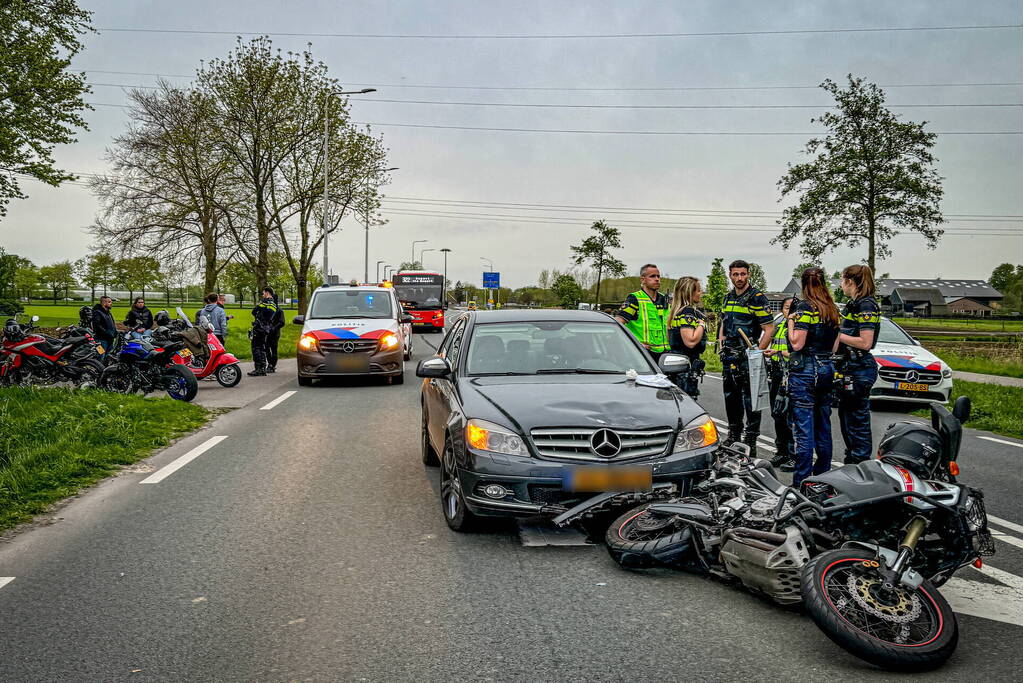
[209,359]
[32,358]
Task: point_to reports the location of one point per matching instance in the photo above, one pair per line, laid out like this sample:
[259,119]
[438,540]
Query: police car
[906,371]
[353,330]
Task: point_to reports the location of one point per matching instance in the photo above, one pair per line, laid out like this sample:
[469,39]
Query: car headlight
[946,371]
[389,341]
[699,433]
[487,436]
[307,342]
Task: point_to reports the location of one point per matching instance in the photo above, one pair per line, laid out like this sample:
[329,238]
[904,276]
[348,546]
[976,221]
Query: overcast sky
[719,173]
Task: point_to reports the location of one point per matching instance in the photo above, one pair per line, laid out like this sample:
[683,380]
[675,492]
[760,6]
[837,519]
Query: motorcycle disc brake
[903,609]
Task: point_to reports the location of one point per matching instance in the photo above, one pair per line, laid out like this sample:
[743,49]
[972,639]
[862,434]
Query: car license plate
[185,353]
[907,386]
[596,479]
[349,363]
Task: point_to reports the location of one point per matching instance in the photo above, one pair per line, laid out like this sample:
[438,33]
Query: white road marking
[280,399]
[998,603]
[4,580]
[1006,538]
[188,457]
[1005,523]
[714,377]
[1007,443]
[764,442]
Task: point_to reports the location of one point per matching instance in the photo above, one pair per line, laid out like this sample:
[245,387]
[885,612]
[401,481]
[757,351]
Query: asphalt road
[309,545]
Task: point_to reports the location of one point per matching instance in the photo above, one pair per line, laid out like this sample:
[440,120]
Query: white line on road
[1007,443]
[188,457]
[713,377]
[4,580]
[1006,523]
[280,399]
[999,603]
[1006,538]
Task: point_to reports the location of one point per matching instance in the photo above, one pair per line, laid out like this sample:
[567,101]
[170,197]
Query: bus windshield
[419,291]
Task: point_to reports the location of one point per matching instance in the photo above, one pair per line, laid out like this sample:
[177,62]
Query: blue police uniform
[749,313]
[811,381]
[689,318]
[859,366]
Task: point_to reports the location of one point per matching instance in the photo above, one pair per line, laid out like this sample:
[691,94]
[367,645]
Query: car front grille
[342,345]
[900,375]
[569,443]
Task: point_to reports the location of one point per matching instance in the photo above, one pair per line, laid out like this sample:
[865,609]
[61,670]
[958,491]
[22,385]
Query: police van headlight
[307,342]
[487,436]
[389,341]
[699,433]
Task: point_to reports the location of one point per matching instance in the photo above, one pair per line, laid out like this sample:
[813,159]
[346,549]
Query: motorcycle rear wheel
[180,383]
[640,539]
[117,378]
[90,370]
[901,630]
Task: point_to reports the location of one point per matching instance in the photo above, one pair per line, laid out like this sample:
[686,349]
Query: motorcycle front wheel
[180,383]
[641,538]
[116,377]
[899,628]
[88,374]
[229,375]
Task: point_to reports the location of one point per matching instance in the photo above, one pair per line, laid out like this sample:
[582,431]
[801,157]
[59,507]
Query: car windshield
[553,347]
[419,296]
[893,334]
[349,303]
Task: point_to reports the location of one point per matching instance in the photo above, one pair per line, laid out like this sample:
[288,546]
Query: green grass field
[980,324]
[237,329]
[55,442]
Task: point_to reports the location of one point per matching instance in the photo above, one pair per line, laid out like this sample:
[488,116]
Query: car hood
[905,356]
[575,401]
[349,328]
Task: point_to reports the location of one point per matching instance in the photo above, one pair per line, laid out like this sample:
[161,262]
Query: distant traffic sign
[491,280]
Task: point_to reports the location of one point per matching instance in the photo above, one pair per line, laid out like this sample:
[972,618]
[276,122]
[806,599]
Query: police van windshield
[347,303]
[553,347]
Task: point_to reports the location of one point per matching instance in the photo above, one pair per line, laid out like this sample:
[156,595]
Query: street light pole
[365,275]
[422,261]
[444,285]
[414,243]
[326,164]
[378,270]
[490,266]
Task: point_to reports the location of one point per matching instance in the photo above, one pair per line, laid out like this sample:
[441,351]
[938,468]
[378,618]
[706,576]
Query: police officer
[645,312]
[264,315]
[274,337]
[687,331]
[777,367]
[813,336]
[745,311]
[861,321]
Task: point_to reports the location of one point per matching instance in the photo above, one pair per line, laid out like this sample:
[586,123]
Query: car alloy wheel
[456,514]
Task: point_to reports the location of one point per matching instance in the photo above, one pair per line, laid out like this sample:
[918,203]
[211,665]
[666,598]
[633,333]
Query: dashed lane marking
[764,442]
[1003,441]
[280,399]
[1005,523]
[1006,538]
[4,580]
[188,457]
[1002,603]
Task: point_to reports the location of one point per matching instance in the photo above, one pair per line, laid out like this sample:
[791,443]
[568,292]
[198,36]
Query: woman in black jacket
[139,319]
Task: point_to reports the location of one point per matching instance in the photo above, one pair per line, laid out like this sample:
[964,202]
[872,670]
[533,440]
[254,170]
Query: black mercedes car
[528,412]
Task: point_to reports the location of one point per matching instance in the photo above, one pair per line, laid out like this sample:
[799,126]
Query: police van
[353,330]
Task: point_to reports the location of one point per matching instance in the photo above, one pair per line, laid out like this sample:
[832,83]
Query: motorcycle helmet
[912,445]
[135,349]
[162,319]
[85,316]
[13,331]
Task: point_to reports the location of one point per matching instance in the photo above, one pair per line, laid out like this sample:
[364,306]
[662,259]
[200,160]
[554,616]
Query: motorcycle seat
[854,483]
[767,479]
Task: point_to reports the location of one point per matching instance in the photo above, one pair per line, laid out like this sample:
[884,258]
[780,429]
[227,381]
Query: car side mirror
[406,318]
[673,364]
[434,367]
[298,320]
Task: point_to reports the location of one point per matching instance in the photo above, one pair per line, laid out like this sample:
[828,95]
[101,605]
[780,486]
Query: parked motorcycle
[863,547]
[208,358]
[143,366]
[28,357]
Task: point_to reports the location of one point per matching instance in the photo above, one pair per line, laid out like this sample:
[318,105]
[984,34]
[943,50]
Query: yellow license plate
[100,350]
[906,386]
[185,353]
[596,479]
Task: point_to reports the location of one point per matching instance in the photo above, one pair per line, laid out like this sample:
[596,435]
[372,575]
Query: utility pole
[326,164]
[444,286]
[365,275]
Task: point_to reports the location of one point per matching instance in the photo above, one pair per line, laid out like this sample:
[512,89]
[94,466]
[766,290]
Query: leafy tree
[95,270]
[40,98]
[596,251]
[137,273]
[872,177]
[59,278]
[27,280]
[1003,276]
[410,265]
[567,291]
[757,277]
[717,286]
[797,272]
[240,281]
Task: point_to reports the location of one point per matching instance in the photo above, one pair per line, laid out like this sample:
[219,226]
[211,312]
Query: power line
[572,36]
[584,89]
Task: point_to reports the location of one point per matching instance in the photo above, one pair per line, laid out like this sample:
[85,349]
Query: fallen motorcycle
[29,357]
[142,366]
[863,547]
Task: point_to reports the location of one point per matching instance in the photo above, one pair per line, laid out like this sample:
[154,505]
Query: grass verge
[55,442]
[986,324]
[996,408]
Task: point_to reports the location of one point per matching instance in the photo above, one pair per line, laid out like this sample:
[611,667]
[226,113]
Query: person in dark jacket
[274,338]
[103,327]
[264,315]
[139,319]
[687,332]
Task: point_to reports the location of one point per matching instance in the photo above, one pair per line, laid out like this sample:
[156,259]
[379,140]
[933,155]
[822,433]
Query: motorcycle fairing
[854,483]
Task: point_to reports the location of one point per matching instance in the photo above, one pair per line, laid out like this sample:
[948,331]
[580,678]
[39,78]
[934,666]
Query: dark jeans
[738,404]
[272,339]
[222,338]
[810,388]
[259,338]
[782,429]
[854,411]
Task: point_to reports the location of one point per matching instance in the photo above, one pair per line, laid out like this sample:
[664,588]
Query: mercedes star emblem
[912,376]
[605,443]
[348,347]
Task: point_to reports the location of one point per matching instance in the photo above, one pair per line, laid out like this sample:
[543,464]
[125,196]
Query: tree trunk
[301,285]
[870,243]
[92,296]
[209,270]
[600,269]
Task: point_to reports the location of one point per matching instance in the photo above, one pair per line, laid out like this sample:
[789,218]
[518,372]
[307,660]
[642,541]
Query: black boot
[257,373]
[751,441]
